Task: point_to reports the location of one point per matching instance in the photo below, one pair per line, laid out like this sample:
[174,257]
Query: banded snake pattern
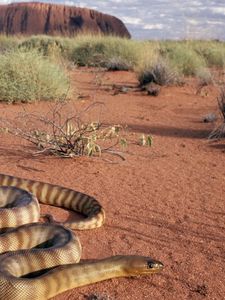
[41,260]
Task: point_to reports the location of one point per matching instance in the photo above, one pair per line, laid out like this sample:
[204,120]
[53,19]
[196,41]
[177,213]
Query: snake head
[137,265]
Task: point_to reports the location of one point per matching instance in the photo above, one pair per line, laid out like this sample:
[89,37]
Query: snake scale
[41,260]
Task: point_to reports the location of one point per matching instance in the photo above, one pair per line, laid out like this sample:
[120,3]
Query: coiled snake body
[41,260]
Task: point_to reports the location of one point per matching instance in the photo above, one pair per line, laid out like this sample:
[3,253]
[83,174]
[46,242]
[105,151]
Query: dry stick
[39,141]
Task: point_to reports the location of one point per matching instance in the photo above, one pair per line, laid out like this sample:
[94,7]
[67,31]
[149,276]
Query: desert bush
[27,76]
[159,72]
[148,58]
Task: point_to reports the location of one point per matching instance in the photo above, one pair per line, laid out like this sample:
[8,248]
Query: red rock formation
[55,19]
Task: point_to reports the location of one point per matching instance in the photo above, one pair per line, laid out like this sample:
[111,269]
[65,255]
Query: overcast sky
[162,19]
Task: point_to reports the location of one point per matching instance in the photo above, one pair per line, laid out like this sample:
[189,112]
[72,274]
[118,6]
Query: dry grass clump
[205,76]
[160,72]
[153,67]
[117,64]
[219,132]
[26,76]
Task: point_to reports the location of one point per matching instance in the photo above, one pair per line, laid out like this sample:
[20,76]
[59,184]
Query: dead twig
[64,135]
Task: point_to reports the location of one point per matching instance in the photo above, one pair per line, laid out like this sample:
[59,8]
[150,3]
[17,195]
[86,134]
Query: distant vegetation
[163,62]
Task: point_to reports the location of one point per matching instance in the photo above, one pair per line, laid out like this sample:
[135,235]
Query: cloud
[193,22]
[215,22]
[218,10]
[153,26]
[132,20]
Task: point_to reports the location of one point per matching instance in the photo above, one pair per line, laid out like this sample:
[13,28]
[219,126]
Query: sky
[161,19]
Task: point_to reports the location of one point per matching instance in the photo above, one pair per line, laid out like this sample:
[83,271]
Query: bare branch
[58,134]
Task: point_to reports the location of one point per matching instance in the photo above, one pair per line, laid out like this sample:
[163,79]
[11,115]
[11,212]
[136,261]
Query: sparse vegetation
[26,76]
[38,73]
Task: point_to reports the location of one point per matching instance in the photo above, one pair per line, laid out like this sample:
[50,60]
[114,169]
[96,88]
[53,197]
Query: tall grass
[26,76]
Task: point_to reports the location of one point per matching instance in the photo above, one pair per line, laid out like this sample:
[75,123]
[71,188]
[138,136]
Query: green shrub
[27,76]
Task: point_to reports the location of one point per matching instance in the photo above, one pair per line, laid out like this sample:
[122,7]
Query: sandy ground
[166,201]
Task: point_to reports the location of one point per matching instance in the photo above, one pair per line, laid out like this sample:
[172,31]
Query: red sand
[165,201]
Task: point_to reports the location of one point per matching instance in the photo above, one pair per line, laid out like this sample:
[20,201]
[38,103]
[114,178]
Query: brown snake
[41,260]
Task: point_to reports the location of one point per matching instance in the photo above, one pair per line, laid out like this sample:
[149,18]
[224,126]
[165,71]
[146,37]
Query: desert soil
[166,201]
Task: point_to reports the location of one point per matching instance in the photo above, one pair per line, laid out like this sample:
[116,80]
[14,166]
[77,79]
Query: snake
[39,260]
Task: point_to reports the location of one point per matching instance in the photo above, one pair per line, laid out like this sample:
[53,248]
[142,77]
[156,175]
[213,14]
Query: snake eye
[150,264]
